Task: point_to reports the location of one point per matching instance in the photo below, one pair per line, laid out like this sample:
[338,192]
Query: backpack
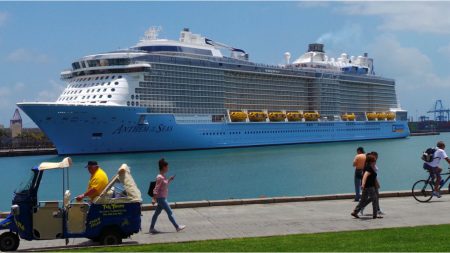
[428,155]
[151,188]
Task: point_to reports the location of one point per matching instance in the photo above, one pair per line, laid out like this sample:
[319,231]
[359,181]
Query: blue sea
[289,170]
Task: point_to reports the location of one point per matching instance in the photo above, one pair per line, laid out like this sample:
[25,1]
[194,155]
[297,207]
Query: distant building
[2,126]
[16,124]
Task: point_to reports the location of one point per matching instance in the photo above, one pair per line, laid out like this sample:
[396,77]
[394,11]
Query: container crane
[440,113]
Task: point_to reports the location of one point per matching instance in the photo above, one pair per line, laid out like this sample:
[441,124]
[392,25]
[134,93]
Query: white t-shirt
[437,157]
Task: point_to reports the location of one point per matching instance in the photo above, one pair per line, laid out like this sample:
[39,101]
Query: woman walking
[369,184]
[377,188]
[160,196]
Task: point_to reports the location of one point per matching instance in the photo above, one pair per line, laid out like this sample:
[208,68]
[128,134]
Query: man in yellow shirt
[97,183]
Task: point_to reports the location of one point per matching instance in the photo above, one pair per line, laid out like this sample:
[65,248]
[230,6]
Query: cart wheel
[9,242]
[110,237]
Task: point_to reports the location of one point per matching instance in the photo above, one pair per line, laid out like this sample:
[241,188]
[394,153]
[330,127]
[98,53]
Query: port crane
[440,113]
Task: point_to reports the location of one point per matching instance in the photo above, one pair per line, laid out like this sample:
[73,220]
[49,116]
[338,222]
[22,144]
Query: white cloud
[8,93]
[445,50]
[51,93]
[426,17]
[3,17]
[349,34]
[418,85]
[22,55]
[313,4]
[5,95]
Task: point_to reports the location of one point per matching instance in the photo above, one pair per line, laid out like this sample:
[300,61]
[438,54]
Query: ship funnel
[287,57]
[315,47]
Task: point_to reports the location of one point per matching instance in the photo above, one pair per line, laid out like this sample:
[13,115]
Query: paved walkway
[277,219]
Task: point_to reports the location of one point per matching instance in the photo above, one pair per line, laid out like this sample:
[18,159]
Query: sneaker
[436,194]
[154,231]
[181,227]
[381,213]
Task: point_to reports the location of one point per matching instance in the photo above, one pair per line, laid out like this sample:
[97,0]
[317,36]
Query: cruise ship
[196,93]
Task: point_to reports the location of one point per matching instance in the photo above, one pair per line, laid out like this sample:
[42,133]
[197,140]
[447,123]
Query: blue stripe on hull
[102,129]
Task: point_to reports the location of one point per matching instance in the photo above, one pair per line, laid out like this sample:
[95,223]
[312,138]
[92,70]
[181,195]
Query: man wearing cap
[97,183]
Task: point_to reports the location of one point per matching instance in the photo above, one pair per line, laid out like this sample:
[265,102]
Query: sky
[409,41]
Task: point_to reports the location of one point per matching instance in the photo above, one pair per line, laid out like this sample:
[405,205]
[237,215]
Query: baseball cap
[91,163]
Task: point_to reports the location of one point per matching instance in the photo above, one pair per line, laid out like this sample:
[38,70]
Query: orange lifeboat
[238,116]
[277,116]
[257,116]
[294,116]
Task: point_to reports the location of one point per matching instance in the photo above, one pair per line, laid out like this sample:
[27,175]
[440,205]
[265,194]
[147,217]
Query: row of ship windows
[185,68]
[257,88]
[80,85]
[238,77]
[184,90]
[295,73]
[83,97]
[87,91]
[292,131]
[96,78]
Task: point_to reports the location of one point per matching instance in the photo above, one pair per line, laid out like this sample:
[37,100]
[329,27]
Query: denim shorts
[433,170]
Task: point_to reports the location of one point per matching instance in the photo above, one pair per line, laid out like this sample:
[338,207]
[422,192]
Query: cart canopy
[65,163]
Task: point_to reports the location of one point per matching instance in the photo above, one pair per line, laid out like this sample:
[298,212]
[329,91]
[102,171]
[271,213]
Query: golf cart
[115,214]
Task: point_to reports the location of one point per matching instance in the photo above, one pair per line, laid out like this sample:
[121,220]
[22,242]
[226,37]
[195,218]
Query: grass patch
[422,238]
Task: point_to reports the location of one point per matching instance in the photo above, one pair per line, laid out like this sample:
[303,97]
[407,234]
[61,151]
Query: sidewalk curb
[274,200]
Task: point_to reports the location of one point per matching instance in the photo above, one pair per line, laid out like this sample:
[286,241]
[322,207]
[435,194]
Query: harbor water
[289,170]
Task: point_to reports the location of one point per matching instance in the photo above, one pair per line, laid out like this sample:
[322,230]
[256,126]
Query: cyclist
[433,166]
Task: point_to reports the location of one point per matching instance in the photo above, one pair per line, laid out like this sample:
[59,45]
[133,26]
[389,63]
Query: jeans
[368,195]
[358,181]
[163,205]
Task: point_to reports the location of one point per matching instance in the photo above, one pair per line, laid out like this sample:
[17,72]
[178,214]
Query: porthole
[100,96]
[101,78]
[132,96]
[96,78]
[109,96]
[137,103]
[109,83]
[116,83]
[128,103]
[132,103]
[119,77]
[104,89]
[94,96]
[106,77]
[98,90]
[112,89]
[137,96]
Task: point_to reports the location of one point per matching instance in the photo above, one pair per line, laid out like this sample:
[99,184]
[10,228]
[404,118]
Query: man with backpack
[432,158]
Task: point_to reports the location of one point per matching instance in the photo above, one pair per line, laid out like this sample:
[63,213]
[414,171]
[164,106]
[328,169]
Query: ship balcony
[131,68]
[66,74]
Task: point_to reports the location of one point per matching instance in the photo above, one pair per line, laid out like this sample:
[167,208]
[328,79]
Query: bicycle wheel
[422,190]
